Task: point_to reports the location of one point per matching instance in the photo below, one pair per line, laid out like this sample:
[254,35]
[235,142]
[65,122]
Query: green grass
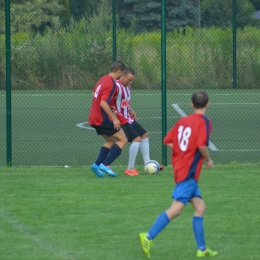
[68,213]
[45,131]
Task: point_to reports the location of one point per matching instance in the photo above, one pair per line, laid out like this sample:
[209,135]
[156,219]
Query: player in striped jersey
[135,133]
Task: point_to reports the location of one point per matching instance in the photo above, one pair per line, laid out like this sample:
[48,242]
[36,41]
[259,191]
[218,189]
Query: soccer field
[49,213]
[50,127]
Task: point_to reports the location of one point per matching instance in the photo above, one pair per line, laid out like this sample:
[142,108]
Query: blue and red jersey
[187,135]
[105,90]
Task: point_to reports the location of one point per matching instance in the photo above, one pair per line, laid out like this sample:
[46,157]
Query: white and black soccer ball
[152,167]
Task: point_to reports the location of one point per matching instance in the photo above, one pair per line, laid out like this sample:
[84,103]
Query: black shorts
[105,129]
[133,130]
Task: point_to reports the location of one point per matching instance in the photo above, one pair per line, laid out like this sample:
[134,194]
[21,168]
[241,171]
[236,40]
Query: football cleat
[95,169]
[130,172]
[161,167]
[145,244]
[107,170]
[206,252]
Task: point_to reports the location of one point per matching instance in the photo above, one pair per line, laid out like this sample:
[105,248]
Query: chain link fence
[60,49]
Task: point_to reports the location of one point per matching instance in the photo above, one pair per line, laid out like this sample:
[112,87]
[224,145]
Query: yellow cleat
[145,244]
[207,252]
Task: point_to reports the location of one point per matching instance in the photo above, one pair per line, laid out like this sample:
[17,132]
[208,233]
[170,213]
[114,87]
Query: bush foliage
[76,56]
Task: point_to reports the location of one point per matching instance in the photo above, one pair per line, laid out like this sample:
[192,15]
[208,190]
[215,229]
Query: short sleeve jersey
[187,135]
[104,90]
[122,103]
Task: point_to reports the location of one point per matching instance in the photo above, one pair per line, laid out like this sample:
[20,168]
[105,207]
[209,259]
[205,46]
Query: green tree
[34,15]
[256,4]
[80,8]
[77,8]
[219,13]
[65,15]
[147,14]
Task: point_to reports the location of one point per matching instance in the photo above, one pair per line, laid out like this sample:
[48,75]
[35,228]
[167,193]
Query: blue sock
[160,223]
[115,151]
[102,155]
[198,230]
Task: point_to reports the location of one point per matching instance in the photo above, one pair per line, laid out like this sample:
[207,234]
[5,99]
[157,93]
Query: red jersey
[104,90]
[187,135]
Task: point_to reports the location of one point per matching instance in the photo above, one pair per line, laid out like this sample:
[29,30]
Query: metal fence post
[234,44]
[8,84]
[114,28]
[163,76]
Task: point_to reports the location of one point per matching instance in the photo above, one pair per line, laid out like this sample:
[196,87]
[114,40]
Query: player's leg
[107,156]
[181,195]
[104,150]
[134,138]
[133,151]
[198,227]
[115,151]
[160,223]
[164,218]
[117,148]
[145,144]
[145,147]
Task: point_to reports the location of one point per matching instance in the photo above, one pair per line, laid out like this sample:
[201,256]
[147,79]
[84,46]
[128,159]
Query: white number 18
[183,137]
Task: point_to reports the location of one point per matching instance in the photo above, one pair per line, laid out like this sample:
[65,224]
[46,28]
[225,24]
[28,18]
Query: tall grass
[76,56]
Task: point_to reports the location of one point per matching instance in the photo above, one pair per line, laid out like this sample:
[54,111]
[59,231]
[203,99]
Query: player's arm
[168,139]
[170,145]
[110,114]
[205,154]
[132,113]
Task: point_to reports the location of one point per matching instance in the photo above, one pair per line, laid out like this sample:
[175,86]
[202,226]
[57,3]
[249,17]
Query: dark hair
[200,99]
[129,70]
[117,65]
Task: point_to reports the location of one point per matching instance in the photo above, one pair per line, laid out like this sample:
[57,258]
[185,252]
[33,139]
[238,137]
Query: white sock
[145,149]
[133,151]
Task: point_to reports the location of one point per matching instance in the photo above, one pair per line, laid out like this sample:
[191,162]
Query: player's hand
[116,123]
[133,114]
[209,164]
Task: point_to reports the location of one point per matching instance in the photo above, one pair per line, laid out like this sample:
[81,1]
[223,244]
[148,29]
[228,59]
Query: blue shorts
[186,190]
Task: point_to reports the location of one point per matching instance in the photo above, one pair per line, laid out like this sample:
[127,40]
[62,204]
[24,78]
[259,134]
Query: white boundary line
[82,125]
[85,94]
[183,114]
[225,103]
[253,150]
[36,239]
[211,145]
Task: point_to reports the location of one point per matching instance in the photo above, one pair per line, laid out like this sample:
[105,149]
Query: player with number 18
[188,140]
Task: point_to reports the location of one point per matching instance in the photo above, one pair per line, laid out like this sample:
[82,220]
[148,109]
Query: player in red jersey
[106,122]
[188,140]
[136,134]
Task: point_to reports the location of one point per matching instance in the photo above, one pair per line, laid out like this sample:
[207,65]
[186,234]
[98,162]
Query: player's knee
[146,135]
[173,212]
[201,209]
[204,208]
[137,139]
[124,140]
[110,142]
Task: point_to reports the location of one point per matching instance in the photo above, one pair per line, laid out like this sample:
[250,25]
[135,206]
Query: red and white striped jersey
[122,101]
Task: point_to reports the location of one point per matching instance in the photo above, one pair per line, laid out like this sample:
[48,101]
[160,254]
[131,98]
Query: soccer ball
[152,167]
